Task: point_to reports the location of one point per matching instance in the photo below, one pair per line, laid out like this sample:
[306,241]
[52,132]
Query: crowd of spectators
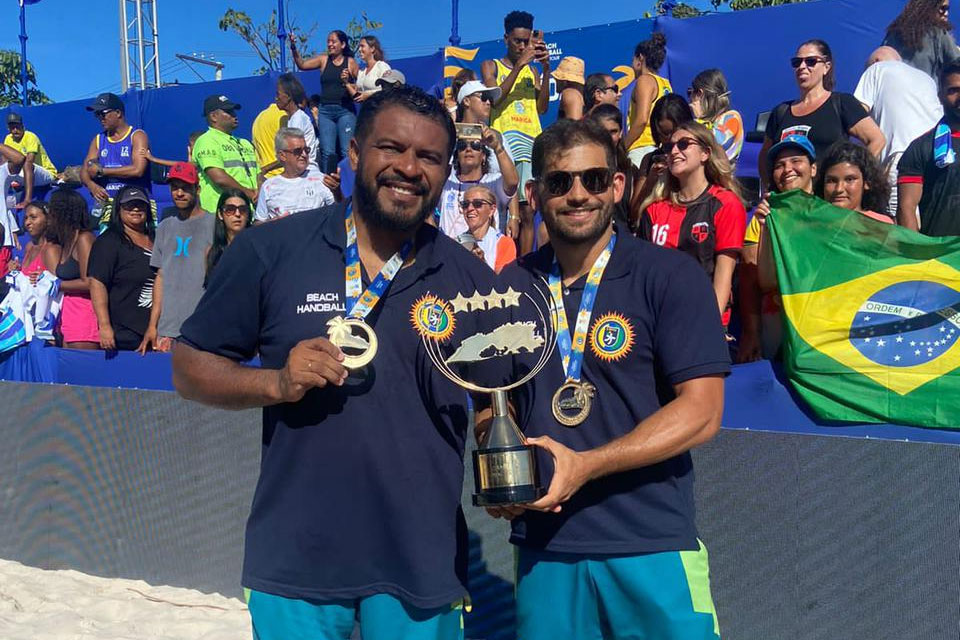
[888,150]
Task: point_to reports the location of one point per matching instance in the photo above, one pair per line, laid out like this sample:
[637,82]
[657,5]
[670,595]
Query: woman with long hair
[923,36]
[820,113]
[375,62]
[70,221]
[40,254]
[648,57]
[850,178]
[709,98]
[698,208]
[336,116]
[119,272]
[234,214]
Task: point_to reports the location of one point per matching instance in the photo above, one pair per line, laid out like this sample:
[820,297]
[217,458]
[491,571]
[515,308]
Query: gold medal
[358,350]
[572,402]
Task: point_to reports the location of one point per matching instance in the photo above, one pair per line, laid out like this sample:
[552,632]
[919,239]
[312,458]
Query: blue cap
[792,141]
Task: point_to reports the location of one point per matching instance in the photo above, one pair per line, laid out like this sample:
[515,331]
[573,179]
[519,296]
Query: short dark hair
[606,112]
[411,98]
[949,69]
[566,134]
[291,86]
[595,82]
[517,20]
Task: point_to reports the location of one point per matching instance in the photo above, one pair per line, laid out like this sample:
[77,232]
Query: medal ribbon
[360,303]
[571,351]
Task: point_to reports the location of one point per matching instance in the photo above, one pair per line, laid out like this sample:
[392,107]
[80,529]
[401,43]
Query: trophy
[504,466]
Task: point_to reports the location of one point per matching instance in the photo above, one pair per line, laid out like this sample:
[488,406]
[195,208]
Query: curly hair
[918,18]
[69,214]
[653,51]
[876,187]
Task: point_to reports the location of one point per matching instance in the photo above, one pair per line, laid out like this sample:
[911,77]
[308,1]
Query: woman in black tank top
[336,118]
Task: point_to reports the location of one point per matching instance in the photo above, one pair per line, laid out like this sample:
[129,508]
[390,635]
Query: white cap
[475,86]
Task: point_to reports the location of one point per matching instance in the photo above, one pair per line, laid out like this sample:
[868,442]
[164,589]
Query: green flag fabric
[871,314]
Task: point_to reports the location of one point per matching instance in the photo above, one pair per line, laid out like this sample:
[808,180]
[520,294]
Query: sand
[63,605]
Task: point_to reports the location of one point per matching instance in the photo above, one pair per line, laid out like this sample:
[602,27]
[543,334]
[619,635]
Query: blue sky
[74,44]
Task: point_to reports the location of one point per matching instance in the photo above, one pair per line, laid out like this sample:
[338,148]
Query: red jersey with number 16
[703,227]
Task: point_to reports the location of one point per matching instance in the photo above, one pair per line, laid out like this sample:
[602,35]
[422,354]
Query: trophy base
[505,475]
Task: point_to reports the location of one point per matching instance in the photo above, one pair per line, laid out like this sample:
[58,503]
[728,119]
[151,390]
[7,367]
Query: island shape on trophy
[510,338]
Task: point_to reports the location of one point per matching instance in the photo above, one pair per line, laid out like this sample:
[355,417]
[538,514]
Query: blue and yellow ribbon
[571,350]
[359,302]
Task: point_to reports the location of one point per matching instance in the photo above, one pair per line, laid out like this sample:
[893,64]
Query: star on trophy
[504,466]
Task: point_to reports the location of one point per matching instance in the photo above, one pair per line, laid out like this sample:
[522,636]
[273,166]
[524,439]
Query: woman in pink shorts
[69,222]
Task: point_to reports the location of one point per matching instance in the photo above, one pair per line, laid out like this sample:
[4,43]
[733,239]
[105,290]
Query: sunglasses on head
[476,204]
[298,151]
[682,144]
[476,145]
[235,209]
[809,61]
[596,180]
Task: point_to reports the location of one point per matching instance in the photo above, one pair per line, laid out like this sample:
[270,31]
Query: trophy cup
[504,466]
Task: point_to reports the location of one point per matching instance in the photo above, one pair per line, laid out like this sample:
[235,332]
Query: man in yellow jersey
[37,170]
[265,127]
[648,57]
[523,97]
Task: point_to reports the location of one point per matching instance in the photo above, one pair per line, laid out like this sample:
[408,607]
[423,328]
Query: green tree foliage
[359,27]
[10,90]
[262,38]
[684,10]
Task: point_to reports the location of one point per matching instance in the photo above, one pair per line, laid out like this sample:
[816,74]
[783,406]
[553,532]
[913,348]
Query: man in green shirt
[225,161]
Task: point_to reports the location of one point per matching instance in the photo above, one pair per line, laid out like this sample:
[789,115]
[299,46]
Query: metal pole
[23,51]
[141,63]
[124,48]
[455,24]
[282,35]
[156,47]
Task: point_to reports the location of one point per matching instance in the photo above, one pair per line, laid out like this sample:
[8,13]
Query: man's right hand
[528,55]
[316,362]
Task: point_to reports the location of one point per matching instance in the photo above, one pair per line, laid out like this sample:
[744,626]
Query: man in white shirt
[903,101]
[299,187]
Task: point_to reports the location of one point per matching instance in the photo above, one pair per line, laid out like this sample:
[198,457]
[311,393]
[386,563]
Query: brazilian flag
[872,314]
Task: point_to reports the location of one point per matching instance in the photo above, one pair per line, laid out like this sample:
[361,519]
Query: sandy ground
[63,605]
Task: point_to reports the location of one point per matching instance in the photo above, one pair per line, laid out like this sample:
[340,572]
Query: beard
[561,230]
[395,218]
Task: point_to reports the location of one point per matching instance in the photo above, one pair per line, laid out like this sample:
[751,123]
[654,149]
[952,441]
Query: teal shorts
[381,617]
[657,596]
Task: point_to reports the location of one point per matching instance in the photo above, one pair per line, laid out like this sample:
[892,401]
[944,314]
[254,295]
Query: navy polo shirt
[655,324]
[359,488]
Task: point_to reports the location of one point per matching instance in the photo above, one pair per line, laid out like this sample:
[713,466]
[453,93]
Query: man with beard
[929,171]
[179,258]
[611,550]
[357,513]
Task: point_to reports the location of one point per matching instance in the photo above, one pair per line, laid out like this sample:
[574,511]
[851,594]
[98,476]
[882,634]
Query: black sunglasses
[596,180]
[682,144]
[476,204]
[476,145]
[614,88]
[810,61]
[233,209]
[298,151]
[100,115]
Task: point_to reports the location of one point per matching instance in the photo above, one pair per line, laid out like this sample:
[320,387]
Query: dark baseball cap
[135,194]
[14,118]
[106,101]
[212,103]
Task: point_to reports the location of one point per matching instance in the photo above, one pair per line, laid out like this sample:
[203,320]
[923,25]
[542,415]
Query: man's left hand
[571,471]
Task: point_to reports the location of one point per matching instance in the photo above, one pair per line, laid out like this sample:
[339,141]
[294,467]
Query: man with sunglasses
[38,170]
[117,157]
[300,187]
[611,550]
[600,89]
[225,161]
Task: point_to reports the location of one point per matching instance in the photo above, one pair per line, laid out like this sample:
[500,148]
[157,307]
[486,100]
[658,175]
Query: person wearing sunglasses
[300,187]
[471,167]
[474,104]
[600,89]
[923,36]
[225,161]
[117,157]
[608,545]
[234,214]
[820,113]
[479,208]
[698,209]
[121,280]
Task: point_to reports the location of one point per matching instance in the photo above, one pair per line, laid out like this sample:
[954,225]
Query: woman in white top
[370,51]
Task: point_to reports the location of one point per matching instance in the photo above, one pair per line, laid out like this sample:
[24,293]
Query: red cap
[183,171]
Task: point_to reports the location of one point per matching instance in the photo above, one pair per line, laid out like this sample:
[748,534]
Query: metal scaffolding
[139,44]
